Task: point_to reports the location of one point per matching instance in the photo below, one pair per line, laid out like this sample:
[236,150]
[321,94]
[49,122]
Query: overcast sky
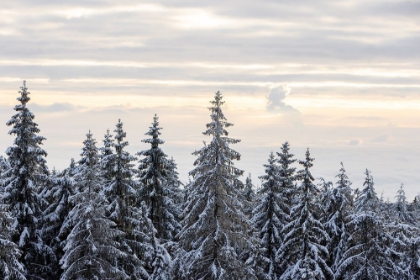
[339,77]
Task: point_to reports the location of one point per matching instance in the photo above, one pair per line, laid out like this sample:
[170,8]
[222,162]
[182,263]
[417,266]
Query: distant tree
[22,182]
[153,174]
[215,234]
[249,195]
[302,254]
[401,207]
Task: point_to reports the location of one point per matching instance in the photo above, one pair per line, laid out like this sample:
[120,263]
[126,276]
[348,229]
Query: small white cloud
[276,99]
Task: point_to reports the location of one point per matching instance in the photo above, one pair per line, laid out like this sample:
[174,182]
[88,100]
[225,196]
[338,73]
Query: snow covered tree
[155,261]
[90,248]
[401,207]
[106,157]
[287,173]
[270,216]
[368,256]
[250,196]
[10,266]
[302,254]
[338,210]
[215,233]
[367,199]
[121,192]
[4,165]
[173,183]
[55,216]
[22,182]
[153,174]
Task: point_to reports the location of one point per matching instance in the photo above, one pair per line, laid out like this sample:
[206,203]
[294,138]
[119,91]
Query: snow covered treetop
[154,132]
[24,98]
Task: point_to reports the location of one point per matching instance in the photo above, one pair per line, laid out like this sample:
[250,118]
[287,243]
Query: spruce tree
[10,266]
[369,255]
[91,248]
[55,216]
[404,238]
[22,182]
[106,158]
[338,210]
[121,191]
[287,173]
[215,233]
[303,254]
[270,215]
[250,196]
[153,174]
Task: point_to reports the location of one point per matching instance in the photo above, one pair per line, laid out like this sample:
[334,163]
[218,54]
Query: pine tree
[156,262]
[404,236]
[401,207]
[106,158]
[287,173]
[22,181]
[302,254]
[121,191]
[10,266]
[90,247]
[250,196]
[55,216]
[368,256]
[338,209]
[173,185]
[270,215]
[215,230]
[153,173]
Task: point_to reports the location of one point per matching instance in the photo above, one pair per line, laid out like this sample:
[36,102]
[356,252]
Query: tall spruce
[270,216]
[303,254]
[369,255]
[22,182]
[153,174]
[91,248]
[121,192]
[215,234]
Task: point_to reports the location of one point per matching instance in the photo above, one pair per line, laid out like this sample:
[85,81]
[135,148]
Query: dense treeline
[112,215]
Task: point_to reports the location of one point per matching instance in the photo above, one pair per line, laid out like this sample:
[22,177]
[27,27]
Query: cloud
[383,138]
[355,142]
[56,107]
[276,100]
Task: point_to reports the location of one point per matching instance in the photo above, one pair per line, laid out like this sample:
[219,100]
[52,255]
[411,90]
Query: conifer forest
[115,215]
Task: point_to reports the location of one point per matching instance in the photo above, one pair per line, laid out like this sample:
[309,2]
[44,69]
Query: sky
[341,78]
